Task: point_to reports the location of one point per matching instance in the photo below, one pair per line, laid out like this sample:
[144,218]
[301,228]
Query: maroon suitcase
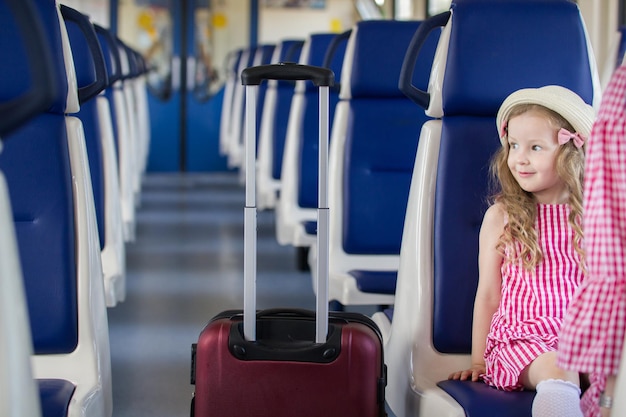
[288,362]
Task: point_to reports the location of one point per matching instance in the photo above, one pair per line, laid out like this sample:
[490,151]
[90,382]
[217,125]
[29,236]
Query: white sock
[557,398]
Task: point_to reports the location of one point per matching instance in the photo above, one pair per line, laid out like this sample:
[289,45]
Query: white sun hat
[554,97]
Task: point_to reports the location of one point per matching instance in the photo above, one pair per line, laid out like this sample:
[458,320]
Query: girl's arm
[488,292]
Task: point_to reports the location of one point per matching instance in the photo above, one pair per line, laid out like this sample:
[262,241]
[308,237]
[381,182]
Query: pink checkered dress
[593,331]
[533,304]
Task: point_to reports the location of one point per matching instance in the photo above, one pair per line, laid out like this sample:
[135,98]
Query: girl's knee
[544,368]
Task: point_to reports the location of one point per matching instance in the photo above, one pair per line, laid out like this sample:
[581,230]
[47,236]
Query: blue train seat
[372,153]
[274,127]
[143,110]
[137,116]
[95,115]
[232,79]
[121,129]
[26,89]
[235,138]
[305,232]
[46,167]
[133,145]
[297,201]
[264,55]
[430,334]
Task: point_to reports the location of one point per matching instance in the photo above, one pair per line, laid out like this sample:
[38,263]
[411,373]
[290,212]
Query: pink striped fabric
[593,331]
[533,304]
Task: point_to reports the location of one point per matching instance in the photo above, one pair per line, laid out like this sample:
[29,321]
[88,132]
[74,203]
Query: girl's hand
[472,374]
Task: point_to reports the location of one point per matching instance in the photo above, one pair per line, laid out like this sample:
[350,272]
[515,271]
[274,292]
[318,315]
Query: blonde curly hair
[521,207]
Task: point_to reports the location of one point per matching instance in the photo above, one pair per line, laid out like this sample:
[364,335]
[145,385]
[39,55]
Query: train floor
[185,266]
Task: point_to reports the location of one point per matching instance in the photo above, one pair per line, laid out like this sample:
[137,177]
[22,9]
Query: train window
[434,7]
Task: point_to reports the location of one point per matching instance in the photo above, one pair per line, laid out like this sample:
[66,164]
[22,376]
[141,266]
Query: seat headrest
[105,38]
[27,82]
[66,100]
[490,49]
[264,54]
[91,73]
[313,53]
[288,50]
[374,57]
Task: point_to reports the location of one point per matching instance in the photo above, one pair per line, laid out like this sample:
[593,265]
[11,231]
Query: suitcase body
[284,373]
[288,362]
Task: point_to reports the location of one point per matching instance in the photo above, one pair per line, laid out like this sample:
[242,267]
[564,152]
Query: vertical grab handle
[405,82]
[252,77]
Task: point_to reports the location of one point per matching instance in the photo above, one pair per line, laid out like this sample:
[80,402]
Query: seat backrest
[284,92]
[438,274]
[264,55]
[236,119]
[273,126]
[297,199]
[232,65]
[111,60]
[42,201]
[92,78]
[375,139]
[276,107]
[307,130]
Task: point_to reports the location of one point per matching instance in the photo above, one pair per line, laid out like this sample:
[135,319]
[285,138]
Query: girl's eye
[513,145]
[536,148]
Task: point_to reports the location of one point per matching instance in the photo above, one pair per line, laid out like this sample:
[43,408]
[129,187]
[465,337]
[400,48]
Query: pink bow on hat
[565,136]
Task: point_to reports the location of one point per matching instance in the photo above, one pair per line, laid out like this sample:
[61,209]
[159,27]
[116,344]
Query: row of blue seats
[71,171]
[408,186]
[365,258]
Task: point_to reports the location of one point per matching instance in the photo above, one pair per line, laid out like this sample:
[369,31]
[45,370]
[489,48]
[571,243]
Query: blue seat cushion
[35,161]
[310,227]
[480,400]
[289,51]
[55,396]
[389,314]
[379,155]
[308,142]
[377,282]
[461,198]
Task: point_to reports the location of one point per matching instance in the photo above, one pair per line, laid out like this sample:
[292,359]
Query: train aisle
[185,266]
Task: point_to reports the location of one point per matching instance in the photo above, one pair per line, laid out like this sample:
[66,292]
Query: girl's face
[533,148]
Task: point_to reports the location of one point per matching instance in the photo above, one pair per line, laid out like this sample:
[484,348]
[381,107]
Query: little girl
[531,258]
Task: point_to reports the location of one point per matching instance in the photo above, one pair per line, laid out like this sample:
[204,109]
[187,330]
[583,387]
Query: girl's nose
[521,157]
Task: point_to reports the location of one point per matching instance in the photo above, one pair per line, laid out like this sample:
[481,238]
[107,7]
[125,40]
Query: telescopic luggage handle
[288,71]
[251,77]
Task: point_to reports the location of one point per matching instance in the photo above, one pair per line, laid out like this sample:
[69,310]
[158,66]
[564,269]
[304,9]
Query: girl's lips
[524,174]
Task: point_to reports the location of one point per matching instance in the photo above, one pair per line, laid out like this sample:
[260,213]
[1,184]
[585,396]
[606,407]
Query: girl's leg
[558,391]
[544,367]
